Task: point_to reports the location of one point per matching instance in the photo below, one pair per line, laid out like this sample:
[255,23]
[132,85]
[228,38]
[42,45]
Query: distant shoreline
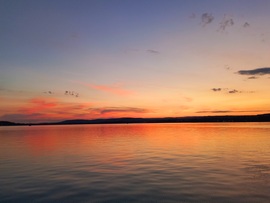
[190,119]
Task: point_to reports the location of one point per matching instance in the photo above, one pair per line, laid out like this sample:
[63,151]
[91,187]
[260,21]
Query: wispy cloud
[107,110]
[246,24]
[257,71]
[252,78]
[151,51]
[66,92]
[38,104]
[234,91]
[218,111]
[46,109]
[226,22]
[48,92]
[115,89]
[230,91]
[71,93]
[230,111]
[206,18]
[216,89]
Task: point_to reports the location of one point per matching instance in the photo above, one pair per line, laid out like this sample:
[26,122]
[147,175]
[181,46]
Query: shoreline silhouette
[127,120]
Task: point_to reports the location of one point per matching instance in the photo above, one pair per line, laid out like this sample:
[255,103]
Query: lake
[207,162]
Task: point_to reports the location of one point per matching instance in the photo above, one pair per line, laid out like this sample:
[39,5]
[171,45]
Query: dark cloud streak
[234,91]
[230,91]
[216,89]
[106,110]
[214,111]
[228,111]
[258,71]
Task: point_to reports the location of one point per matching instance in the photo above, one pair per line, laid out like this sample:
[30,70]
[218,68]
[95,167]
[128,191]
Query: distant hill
[7,123]
[201,119]
[190,119]
[105,121]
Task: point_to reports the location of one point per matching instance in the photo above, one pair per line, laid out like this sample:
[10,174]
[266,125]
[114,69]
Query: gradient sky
[69,59]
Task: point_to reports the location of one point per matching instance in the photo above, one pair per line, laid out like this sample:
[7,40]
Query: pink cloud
[47,109]
[39,104]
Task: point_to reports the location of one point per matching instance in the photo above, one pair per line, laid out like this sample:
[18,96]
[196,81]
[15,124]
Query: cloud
[257,71]
[252,78]
[115,89]
[38,104]
[213,111]
[233,91]
[216,89]
[109,110]
[206,18]
[71,108]
[226,22]
[151,51]
[72,93]
[246,24]
[66,92]
[48,92]
[229,91]
[230,111]
[47,109]
[33,117]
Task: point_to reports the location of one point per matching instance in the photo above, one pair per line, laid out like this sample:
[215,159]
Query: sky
[88,59]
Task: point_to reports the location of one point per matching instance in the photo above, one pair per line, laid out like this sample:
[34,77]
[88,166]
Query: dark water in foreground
[136,163]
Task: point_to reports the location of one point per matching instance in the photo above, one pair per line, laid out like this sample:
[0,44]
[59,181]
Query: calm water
[136,163]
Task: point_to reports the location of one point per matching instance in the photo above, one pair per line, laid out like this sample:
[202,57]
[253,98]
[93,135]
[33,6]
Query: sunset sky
[87,59]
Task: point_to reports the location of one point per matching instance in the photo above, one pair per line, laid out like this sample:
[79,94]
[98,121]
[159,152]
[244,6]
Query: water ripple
[135,163]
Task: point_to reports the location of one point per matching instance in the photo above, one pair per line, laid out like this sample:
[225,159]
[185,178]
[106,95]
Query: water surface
[219,162]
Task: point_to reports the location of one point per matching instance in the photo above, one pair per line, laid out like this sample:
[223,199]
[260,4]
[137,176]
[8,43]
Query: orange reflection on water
[126,141]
